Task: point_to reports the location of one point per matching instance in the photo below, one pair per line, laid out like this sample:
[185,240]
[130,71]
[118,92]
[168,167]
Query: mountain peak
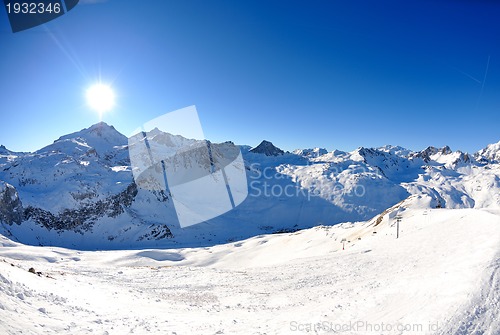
[5,151]
[430,151]
[446,150]
[268,149]
[101,125]
[491,152]
[101,137]
[102,129]
[98,132]
[312,153]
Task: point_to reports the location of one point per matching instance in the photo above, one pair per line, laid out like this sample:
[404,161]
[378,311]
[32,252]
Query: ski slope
[441,276]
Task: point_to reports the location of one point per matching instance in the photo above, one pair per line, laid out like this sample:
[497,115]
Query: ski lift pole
[398,220]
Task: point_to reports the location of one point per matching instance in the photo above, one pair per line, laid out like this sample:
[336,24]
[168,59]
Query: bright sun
[100,98]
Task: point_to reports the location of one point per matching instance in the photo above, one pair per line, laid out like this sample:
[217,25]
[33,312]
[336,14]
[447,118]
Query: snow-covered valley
[441,276]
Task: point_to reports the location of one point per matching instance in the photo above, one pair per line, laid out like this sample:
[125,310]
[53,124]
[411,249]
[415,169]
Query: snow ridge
[79,191]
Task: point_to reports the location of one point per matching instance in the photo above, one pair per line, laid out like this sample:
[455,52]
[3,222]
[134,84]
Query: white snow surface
[441,276]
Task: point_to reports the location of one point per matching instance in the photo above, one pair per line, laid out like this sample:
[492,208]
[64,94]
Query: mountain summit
[490,153]
[100,136]
[4,150]
[268,149]
[99,140]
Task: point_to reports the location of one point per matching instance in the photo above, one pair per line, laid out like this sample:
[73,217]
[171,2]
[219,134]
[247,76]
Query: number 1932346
[33,8]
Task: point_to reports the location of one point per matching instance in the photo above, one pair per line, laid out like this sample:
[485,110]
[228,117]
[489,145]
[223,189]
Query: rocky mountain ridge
[80,191]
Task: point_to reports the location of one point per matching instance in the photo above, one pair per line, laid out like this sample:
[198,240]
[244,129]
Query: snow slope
[440,277]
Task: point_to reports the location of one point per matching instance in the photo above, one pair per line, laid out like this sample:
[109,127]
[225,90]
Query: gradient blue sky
[334,74]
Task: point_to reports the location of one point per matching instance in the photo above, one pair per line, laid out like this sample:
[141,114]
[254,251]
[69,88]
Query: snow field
[439,277]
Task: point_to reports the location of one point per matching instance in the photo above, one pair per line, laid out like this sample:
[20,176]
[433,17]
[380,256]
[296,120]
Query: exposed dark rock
[83,218]
[157,233]
[429,151]
[268,149]
[11,208]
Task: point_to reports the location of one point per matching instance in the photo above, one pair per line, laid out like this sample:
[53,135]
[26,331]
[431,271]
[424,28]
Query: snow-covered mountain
[80,192]
[315,152]
[401,241]
[489,154]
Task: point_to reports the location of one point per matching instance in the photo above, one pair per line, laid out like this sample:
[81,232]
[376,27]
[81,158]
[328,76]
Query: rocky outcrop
[11,208]
[430,151]
[268,149]
[489,154]
[83,218]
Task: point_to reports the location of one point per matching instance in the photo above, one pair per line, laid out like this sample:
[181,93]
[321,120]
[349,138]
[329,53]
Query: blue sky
[334,74]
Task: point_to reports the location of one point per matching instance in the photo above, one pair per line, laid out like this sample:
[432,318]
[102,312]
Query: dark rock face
[157,233]
[429,151]
[268,149]
[463,158]
[83,218]
[11,208]
[490,154]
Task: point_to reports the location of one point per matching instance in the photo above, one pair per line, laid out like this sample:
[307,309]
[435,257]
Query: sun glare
[100,97]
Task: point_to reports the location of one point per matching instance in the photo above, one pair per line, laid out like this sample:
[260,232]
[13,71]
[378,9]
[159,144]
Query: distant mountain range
[79,192]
